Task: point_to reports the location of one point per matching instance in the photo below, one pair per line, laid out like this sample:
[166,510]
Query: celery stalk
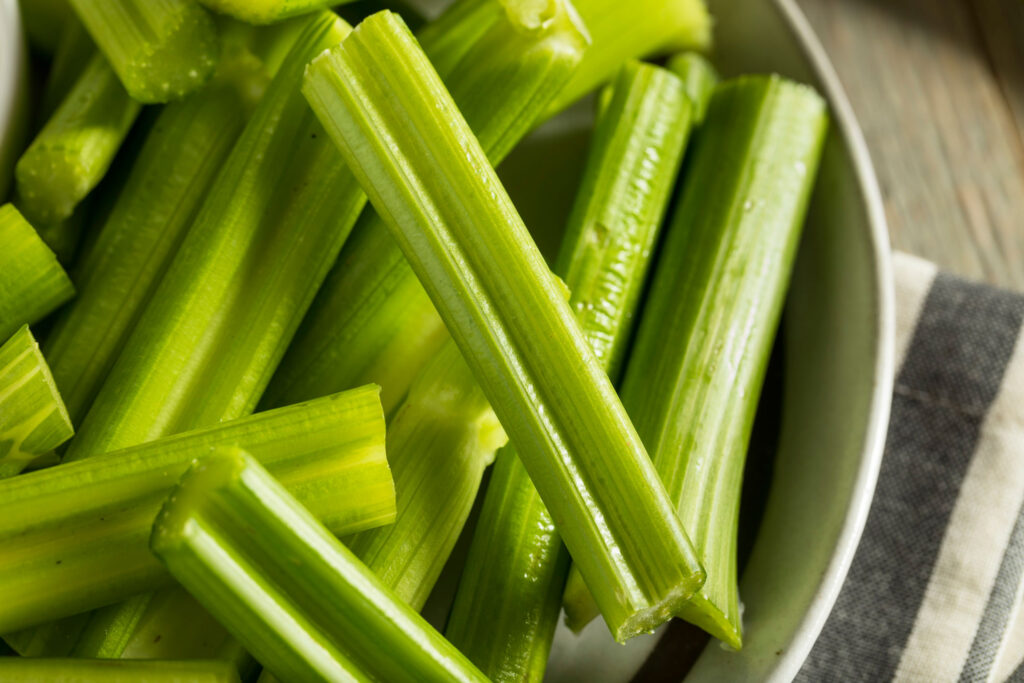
[33,420]
[74,51]
[74,535]
[267,11]
[699,78]
[32,282]
[44,22]
[161,49]
[286,588]
[503,62]
[73,151]
[27,670]
[428,177]
[510,595]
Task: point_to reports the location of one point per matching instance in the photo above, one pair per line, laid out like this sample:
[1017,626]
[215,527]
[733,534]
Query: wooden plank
[1002,28]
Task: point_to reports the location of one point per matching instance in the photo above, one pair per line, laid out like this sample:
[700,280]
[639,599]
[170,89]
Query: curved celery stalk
[372,320]
[74,535]
[628,30]
[32,670]
[161,49]
[510,594]
[286,588]
[74,52]
[73,151]
[267,11]
[426,174]
[439,444]
[699,78]
[32,282]
[33,420]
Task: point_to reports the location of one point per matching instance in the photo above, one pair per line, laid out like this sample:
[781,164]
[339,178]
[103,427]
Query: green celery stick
[33,420]
[628,30]
[372,320]
[73,151]
[288,589]
[27,670]
[702,349]
[74,535]
[161,50]
[427,175]
[439,444]
[267,11]
[510,594]
[32,282]
[699,78]
[44,22]
[74,51]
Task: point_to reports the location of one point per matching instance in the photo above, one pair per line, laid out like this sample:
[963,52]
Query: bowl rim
[13,63]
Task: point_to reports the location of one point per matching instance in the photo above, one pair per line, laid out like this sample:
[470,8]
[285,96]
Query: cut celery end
[426,173]
[33,420]
[439,444]
[31,670]
[699,78]
[161,50]
[74,535]
[286,588]
[73,151]
[267,11]
[32,282]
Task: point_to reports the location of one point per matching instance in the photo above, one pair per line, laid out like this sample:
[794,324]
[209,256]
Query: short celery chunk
[267,11]
[296,597]
[33,670]
[33,420]
[74,535]
[383,104]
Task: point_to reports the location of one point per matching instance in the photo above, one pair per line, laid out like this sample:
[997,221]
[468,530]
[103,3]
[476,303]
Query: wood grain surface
[938,87]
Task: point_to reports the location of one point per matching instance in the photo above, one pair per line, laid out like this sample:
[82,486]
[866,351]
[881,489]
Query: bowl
[13,95]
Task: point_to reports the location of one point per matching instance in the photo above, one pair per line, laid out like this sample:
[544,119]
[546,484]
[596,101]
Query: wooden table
[938,86]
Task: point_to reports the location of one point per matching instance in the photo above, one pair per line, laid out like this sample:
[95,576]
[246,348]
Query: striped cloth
[935,589]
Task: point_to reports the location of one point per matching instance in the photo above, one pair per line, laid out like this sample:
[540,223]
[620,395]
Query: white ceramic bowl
[13,98]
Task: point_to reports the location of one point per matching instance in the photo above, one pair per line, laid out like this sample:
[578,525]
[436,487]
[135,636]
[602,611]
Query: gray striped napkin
[935,589]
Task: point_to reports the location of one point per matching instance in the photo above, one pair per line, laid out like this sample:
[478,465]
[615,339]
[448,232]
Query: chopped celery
[44,22]
[28,670]
[627,30]
[73,151]
[384,105]
[372,320]
[267,11]
[74,51]
[510,595]
[286,588]
[32,282]
[699,78]
[161,49]
[74,535]
[33,420]
[439,444]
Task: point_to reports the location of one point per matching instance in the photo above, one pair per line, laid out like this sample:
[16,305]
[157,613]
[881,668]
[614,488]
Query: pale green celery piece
[32,282]
[384,105]
[161,50]
[699,78]
[65,236]
[74,535]
[74,51]
[510,595]
[372,320]
[439,444]
[33,420]
[288,589]
[28,670]
[73,151]
[267,11]
[697,367]
[44,22]
[628,30]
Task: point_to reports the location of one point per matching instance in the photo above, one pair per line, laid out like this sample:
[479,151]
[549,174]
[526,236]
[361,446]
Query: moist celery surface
[267,11]
[503,63]
[160,49]
[33,420]
[28,670]
[74,535]
[286,588]
[699,79]
[510,594]
[426,173]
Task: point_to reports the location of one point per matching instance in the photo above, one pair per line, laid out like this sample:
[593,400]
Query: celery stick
[32,283]
[699,78]
[510,595]
[44,22]
[372,320]
[267,11]
[286,588]
[627,30]
[74,535]
[161,49]
[74,51]
[25,670]
[439,444]
[73,151]
[427,175]
[33,420]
